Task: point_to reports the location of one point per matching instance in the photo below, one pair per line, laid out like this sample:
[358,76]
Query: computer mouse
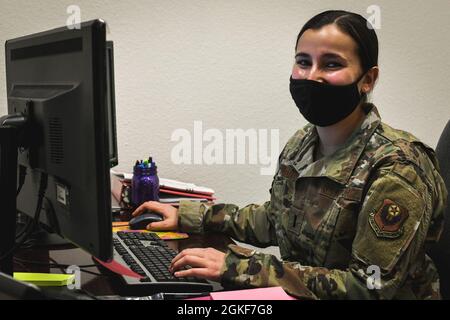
[141,222]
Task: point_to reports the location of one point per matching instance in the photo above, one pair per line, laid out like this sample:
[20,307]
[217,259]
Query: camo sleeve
[387,251]
[250,224]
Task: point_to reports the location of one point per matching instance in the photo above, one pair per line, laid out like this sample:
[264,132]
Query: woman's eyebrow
[328,55]
[302,55]
[333,56]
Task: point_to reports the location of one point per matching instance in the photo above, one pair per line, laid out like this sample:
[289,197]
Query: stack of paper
[170,191]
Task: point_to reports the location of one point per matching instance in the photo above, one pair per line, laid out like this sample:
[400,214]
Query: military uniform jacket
[352,225]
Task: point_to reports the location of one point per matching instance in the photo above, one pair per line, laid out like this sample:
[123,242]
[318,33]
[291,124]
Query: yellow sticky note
[45,279]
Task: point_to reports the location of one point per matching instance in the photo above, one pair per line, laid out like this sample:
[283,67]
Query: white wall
[227,63]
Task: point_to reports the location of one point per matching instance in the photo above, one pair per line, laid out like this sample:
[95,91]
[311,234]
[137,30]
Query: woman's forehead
[328,39]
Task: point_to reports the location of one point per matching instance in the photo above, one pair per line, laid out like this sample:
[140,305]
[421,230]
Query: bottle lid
[137,169]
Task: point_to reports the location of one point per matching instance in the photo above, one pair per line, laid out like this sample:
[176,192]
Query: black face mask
[324,104]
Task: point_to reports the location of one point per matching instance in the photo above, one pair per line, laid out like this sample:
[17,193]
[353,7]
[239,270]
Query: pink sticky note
[116,267]
[271,293]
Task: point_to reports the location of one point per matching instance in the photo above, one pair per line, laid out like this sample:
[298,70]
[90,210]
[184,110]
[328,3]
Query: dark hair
[353,24]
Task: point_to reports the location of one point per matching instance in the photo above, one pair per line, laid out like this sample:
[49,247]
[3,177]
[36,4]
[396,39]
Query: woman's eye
[333,65]
[303,62]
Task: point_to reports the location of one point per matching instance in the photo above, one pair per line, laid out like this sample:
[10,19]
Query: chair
[440,252]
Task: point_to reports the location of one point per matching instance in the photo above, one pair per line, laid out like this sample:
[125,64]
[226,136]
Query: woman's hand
[169,213]
[205,263]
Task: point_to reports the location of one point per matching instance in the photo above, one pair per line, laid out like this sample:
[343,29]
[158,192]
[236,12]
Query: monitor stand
[43,238]
[8,186]
[12,136]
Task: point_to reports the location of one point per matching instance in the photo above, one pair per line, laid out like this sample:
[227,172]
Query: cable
[93,273]
[24,229]
[42,189]
[46,206]
[56,264]
[22,175]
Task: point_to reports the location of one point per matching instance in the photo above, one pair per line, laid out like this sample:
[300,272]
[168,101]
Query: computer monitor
[61,120]
[111,105]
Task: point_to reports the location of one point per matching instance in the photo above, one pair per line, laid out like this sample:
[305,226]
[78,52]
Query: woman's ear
[370,79]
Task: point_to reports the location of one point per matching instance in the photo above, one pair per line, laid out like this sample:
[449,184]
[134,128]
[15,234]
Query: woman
[353,202]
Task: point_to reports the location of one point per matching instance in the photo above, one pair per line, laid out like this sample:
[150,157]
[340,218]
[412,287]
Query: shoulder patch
[387,222]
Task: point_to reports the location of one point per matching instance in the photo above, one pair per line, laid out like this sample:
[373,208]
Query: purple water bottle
[135,187]
[155,180]
[145,186]
[145,183]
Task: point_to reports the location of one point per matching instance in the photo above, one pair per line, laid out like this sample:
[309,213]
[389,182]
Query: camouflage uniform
[377,201]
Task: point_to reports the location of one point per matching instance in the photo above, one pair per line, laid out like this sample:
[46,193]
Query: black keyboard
[149,256]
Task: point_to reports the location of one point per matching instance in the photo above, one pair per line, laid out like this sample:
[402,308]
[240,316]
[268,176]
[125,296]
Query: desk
[105,283]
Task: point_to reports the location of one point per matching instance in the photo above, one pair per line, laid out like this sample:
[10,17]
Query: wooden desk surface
[100,283]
